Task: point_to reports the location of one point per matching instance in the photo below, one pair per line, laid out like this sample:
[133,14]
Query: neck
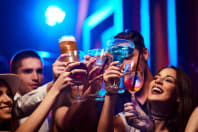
[161,110]
[159,116]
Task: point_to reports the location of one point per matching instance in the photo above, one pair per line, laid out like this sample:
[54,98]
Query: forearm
[72,116]
[37,117]
[27,103]
[192,122]
[106,118]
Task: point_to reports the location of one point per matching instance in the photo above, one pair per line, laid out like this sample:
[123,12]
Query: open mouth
[156,90]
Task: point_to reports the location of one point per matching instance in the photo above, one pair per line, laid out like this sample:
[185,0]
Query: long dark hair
[178,119]
[11,124]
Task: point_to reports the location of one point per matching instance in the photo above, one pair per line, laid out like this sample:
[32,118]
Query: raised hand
[136,117]
[112,75]
[94,76]
[63,81]
[59,65]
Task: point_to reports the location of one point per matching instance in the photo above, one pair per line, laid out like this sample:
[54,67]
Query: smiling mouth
[6,108]
[156,90]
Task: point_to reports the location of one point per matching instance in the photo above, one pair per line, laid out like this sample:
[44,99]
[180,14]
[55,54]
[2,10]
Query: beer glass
[68,45]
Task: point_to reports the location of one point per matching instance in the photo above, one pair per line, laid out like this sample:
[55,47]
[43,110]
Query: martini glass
[120,49]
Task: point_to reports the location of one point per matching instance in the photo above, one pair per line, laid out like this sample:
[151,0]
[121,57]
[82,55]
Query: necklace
[158,117]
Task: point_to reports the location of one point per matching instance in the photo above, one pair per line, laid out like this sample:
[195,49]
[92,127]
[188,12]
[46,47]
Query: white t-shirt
[26,104]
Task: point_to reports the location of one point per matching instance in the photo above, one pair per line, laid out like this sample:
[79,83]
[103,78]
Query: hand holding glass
[120,49]
[102,61]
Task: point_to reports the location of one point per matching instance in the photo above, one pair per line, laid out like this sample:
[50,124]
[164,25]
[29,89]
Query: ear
[145,54]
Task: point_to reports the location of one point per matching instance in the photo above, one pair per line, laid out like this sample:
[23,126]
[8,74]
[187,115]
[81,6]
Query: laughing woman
[170,102]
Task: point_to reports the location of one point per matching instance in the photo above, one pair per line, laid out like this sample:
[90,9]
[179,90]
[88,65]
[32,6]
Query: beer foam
[67,38]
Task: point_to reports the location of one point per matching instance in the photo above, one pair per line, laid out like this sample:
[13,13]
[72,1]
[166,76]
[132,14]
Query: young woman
[8,84]
[170,102]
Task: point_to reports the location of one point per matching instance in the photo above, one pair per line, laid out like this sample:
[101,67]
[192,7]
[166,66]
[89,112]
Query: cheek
[41,77]
[24,77]
[5,116]
[1,114]
[150,87]
[172,94]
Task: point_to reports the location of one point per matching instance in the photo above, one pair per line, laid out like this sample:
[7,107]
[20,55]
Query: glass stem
[133,99]
[78,91]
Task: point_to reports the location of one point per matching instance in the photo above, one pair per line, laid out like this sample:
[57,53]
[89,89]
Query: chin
[6,117]
[156,98]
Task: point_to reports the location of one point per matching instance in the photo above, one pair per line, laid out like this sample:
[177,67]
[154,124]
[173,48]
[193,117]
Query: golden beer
[68,46]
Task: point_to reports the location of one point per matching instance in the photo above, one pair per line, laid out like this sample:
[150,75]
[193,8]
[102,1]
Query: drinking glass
[102,61]
[133,77]
[78,81]
[120,49]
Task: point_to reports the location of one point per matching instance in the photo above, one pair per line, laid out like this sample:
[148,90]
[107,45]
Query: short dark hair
[15,62]
[133,36]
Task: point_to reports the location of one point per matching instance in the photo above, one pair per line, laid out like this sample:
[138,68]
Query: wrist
[110,94]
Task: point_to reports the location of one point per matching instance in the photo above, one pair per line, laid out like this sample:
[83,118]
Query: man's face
[30,72]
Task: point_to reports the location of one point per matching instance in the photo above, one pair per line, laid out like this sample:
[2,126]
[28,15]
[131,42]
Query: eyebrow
[166,76]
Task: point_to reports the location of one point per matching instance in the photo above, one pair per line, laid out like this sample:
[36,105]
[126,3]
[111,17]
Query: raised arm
[26,104]
[106,118]
[192,122]
[37,117]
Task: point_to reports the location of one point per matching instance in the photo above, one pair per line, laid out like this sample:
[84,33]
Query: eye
[9,93]
[1,93]
[27,71]
[155,78]
[40,71]
[170,80]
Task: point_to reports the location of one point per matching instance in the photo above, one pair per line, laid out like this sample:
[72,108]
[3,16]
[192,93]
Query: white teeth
[156,89]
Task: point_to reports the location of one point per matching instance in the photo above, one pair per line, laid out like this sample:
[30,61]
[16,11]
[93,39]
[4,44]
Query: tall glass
[67,45]
[133,78]
[103,59]
[120,49]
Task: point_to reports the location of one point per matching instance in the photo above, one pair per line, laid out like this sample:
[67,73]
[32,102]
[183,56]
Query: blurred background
[169,28]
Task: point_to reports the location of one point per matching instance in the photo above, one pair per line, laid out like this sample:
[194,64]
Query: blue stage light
[54,15]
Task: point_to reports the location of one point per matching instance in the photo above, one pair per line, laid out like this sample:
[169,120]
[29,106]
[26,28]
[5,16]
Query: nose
[159,80]
[7,99]
[35,76]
